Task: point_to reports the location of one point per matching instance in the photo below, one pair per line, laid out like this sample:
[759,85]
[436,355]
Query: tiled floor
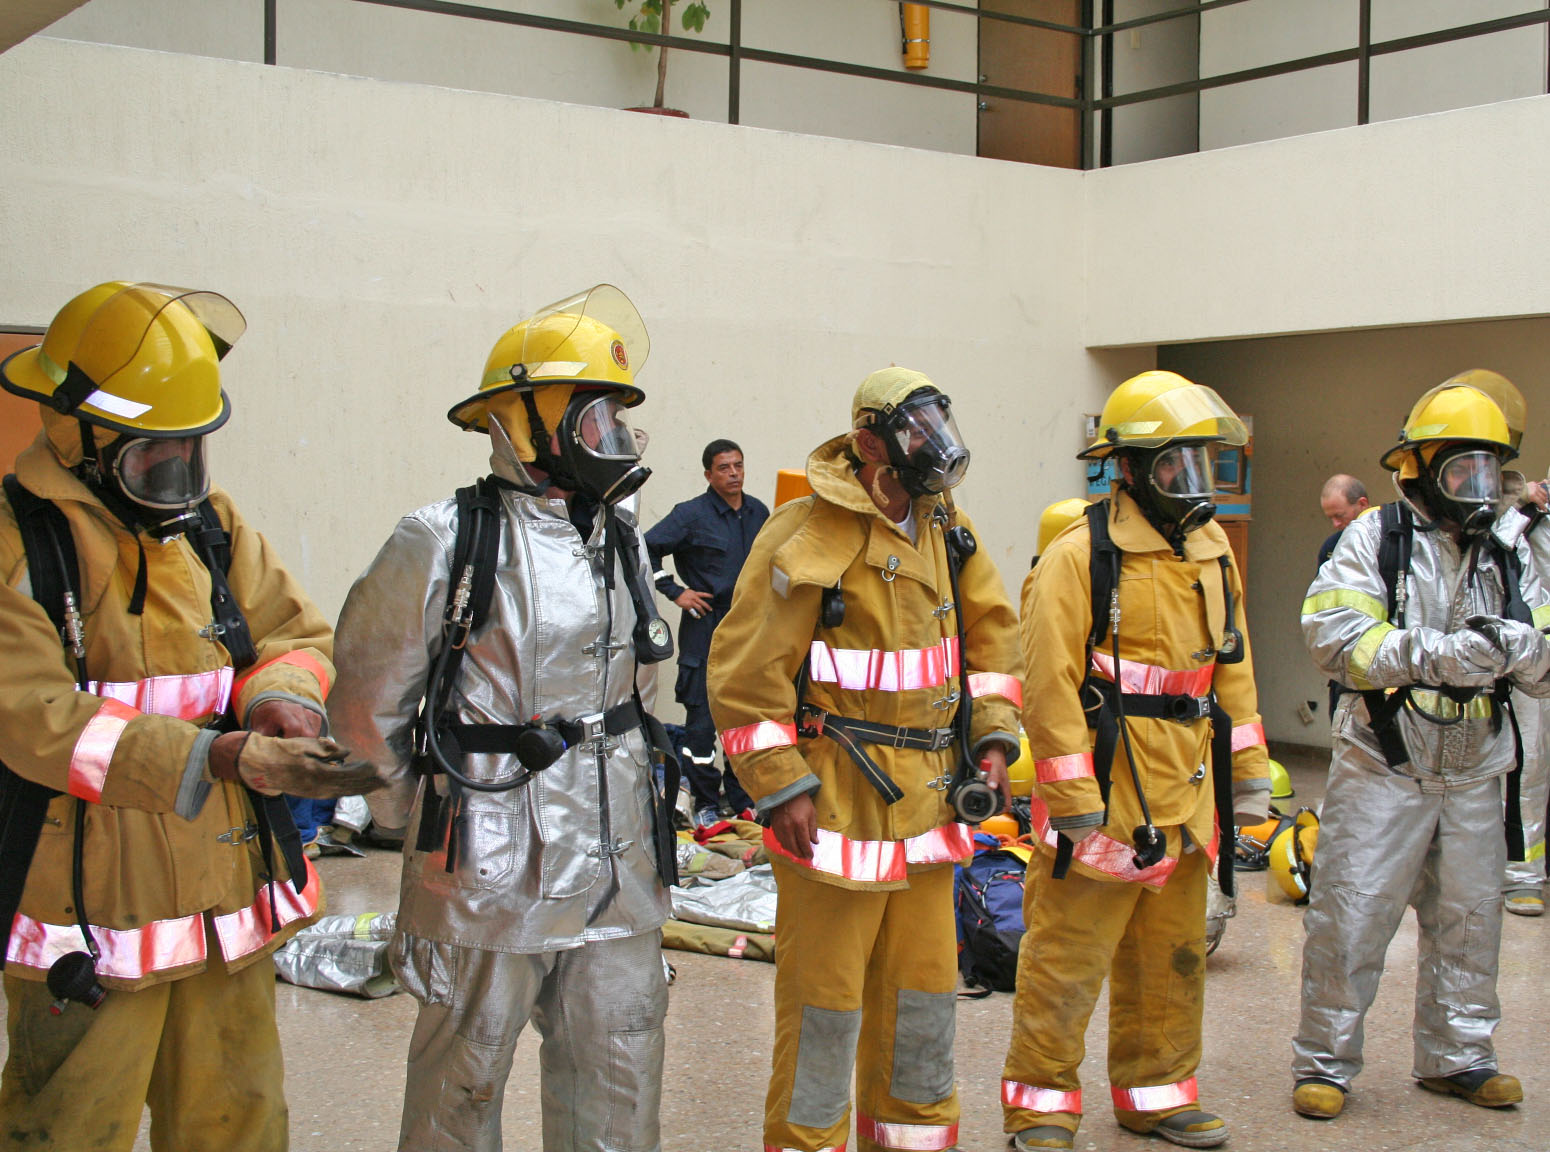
[345,1057]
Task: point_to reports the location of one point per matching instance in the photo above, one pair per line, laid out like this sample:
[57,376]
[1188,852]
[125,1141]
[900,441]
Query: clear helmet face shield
[167,473]
[1182,478]
[599,448]
[558,324]
[1469,486]
[924,445]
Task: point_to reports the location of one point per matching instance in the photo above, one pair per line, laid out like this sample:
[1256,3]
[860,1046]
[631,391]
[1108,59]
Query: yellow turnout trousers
[202,1052]
[1151,946]
[865,980]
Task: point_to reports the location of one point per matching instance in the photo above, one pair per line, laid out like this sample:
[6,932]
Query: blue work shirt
[708,540]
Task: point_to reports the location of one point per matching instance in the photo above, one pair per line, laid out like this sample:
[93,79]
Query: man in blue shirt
[708,538]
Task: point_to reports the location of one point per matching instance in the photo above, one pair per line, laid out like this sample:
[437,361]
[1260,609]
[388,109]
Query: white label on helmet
[117,405]
[557,368]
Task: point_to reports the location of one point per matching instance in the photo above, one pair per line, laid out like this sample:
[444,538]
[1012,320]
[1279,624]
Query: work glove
[1523,647]
[309,766]
[1463,659]
[1250,807]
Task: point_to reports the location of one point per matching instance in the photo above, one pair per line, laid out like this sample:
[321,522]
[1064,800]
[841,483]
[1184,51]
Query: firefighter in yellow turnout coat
[865,961]
[174,879]
[1136,917]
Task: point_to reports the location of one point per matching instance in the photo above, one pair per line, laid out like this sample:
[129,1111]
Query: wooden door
[19,421]
[1034,60]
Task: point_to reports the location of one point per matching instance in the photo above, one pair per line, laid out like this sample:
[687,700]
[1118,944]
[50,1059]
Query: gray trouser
[1384,843]
[599,1009]
[1534,789]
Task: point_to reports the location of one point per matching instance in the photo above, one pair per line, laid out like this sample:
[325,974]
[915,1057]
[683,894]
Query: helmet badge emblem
[617,348]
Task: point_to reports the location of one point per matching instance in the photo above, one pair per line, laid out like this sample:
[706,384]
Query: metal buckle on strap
[940,738]
[592,730]
[1188,709]
[239,835]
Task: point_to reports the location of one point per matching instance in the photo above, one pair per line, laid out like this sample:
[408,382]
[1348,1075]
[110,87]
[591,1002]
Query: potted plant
[656,16]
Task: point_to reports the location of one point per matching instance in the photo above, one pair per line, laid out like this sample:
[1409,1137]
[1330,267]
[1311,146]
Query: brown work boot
[1192,1128]
[1484,1087]
[1044,1136]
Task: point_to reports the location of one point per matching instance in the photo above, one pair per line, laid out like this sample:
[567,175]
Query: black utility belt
[504,738]
[1156,706]
[816,722]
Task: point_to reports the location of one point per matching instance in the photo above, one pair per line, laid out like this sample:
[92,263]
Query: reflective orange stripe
[754,737]
[1247,735]
[996,684]
[1101,852]
[880,861]
[181,697]
[247,930]
[912,1137]
[1150,680]
[1077,766]
[872,669]
[302,659]
[94,749]
[1155,1098]
[825,1148]
[1016,1095]
[161,945]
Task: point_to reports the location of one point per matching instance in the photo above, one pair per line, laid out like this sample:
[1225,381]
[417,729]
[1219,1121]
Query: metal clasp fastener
[590,551]
[1204,654]
[941,612]
[1200,774]
[613,848]
[888,572]
[239,835]
[947,701]
[599,646]
[213,631]
[940,783]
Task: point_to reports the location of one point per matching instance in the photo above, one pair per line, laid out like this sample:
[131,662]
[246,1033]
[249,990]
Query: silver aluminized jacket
[568,857]
[1426,833]
[1344,621]
[1535,787]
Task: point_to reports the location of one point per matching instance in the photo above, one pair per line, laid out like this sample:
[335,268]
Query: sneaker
[1045,1136]
[1483,1087]
[707,816]
[1318,1099]
[1525,902]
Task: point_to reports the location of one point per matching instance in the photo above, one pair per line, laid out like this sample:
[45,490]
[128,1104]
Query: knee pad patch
[826,1056]
[924,1023]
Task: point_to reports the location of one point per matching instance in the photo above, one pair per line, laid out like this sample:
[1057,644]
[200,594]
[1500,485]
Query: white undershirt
[907,525]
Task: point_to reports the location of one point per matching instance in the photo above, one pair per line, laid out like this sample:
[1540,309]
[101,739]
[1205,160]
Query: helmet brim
[472,414]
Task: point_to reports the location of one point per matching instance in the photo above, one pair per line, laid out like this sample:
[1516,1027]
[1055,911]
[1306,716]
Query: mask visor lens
[1184,470]
[604,431]
[1471,478]
[929,442]
[164,473]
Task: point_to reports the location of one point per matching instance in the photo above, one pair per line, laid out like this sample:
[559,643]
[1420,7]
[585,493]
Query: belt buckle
[592,730]
[810,721]
[941,738]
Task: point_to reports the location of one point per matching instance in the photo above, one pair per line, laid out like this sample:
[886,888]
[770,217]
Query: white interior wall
[424,48]
[378,245]
[1334,402]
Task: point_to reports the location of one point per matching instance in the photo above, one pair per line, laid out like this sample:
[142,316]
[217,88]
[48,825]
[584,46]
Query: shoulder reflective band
[162,945]
[1078,766]
[1156,1097]
[300,658]
[996,684]
[1150,680]
[880,861]
[94,750]
[873,669]
[1247,736]
[757,737]
[1026,1096]
[181,697]
[912,1137]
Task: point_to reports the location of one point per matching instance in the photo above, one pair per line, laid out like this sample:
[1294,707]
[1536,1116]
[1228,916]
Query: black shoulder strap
[1395,543]
[1103,569]
[1516,608]
[212,543]
[482,498]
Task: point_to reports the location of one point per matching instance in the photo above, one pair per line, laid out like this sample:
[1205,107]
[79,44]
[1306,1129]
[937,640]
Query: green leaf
[694,17]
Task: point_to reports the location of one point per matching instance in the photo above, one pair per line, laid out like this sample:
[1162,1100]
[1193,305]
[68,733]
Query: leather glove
[1250,807]
[313,767]
[1523,647]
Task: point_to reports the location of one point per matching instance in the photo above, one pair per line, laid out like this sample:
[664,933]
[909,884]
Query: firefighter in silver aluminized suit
[544,900]
[1413,813]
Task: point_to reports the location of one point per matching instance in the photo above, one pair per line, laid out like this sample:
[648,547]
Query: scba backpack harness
[54,573]
[441,739]
[1108,706]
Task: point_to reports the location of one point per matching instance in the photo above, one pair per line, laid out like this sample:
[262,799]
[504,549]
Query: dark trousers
[707,783]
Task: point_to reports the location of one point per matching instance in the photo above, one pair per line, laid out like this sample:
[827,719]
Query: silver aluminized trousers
[599,1009]
[1533,795]
[1387,841]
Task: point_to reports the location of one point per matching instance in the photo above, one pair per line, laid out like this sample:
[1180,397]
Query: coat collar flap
[1131,531]
[96,537]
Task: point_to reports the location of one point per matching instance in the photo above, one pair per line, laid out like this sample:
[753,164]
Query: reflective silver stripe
[1155,1098]
[248,929]
[874,669]
[1018,1095]
[181,697]
[1152,680]
[880,861]
[1101,852]
[1054,769]
[911,1137]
